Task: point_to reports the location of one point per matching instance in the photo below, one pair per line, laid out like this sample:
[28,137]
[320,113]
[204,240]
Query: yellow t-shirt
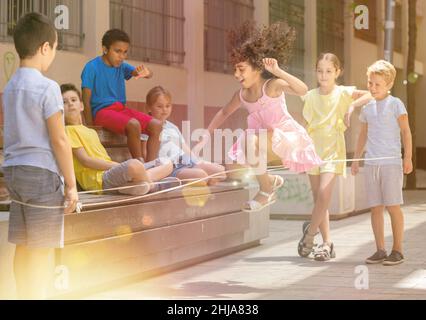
[324,115]
[83,137]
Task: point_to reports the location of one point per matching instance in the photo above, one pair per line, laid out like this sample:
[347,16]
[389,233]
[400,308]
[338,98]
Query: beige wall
[421,85]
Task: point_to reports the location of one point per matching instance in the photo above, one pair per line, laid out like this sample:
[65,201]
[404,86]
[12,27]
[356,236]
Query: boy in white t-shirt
[384,120]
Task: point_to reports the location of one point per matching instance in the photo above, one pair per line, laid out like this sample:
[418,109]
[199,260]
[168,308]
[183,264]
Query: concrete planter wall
[295,200]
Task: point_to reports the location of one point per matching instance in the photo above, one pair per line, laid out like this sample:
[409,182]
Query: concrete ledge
[107,246]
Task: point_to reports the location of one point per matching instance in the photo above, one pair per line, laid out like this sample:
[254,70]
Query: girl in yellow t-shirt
[327,110]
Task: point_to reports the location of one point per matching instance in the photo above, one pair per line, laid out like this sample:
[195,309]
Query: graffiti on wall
[295,190]
[9,64]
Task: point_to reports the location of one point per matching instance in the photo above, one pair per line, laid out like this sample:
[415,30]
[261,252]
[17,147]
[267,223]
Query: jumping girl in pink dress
[257,55]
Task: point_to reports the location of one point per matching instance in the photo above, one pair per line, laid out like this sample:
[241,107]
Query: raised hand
[142,72]
[271,65]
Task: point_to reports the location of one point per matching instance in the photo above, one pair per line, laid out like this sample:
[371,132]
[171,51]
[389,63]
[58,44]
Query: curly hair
[252,44]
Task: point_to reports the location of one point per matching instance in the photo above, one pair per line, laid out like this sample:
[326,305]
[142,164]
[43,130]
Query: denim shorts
[29,226]
[180,166]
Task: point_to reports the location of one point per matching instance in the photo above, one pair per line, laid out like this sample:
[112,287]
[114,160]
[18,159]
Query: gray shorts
[29,226]
[384,185]
[117,176]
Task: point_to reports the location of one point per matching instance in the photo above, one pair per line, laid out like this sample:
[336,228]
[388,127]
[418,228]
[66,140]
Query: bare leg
[34,276]
[136,171]
[160,172]
[240,172]
[315,185]
[212,169]
[397,220]
[325,224]
[319,213]
[263,179]
[193,173]
[133,134]
[20,269]
[378,225]
[153,145]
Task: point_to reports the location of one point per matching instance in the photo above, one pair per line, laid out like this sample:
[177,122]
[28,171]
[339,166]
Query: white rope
[194,181]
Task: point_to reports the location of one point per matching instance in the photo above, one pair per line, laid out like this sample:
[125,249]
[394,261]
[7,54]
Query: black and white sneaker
[377,257]
[394,258]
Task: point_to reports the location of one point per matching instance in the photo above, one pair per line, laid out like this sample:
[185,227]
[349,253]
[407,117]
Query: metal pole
[389,28]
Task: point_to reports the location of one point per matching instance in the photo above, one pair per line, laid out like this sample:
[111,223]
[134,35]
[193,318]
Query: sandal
[325,252]
[255,206]
[306,245]
[307,224]
[278,182]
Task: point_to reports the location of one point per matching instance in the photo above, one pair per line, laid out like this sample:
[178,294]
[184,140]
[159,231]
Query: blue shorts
[180,166]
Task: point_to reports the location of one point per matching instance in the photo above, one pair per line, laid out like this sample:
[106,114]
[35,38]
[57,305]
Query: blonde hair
[383,68]
[154,93]
[327,56]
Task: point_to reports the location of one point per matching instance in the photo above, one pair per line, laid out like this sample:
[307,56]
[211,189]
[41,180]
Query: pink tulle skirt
[290,142]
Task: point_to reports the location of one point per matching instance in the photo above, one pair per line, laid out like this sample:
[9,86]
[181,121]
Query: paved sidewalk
[273,270]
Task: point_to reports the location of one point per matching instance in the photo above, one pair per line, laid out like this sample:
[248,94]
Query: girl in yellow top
[327,110]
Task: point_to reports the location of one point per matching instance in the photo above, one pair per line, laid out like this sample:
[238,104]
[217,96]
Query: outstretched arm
[286,82]
[225,112]
[361,98]
[218,119]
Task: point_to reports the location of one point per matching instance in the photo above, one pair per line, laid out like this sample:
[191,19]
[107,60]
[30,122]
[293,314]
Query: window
[369,34]
[12,10]
[292,11]
[330,27]
[155,29]
[220,17]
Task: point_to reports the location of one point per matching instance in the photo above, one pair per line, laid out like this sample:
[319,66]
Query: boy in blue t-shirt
[37,155]
[104,96]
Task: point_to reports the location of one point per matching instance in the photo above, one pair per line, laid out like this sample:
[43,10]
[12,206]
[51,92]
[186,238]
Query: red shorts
[116,116]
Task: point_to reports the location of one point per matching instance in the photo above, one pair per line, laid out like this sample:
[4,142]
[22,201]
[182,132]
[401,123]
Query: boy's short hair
[114,35]
[31,32]
[70,87]
[383,68]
